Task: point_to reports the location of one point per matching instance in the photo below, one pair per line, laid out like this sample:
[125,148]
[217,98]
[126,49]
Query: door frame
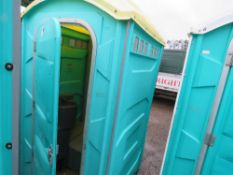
[217,102]
[80,22]
[176,104]
[16,84]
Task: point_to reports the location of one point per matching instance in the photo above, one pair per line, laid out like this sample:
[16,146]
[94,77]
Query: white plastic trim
[227,19]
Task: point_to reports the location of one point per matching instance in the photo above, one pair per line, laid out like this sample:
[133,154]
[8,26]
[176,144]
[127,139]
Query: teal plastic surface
[218,158]
[6,49]
[140,73]
[123,80]
[202,75]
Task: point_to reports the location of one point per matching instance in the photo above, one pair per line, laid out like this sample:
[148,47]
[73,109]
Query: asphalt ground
[157,132]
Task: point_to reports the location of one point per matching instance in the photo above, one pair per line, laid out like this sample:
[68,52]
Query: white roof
[226,19]
[120,10]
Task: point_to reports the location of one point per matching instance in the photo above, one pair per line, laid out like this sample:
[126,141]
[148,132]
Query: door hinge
[50,155]
[210,139]
[33,104]
[34,46]
[85,146]
[57,151]
[230,62]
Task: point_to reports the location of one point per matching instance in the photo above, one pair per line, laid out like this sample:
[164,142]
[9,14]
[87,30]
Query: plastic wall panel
[6,54]
[139,77]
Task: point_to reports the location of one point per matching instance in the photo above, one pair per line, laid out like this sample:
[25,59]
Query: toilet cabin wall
[118,73]
[6,38]
[106,74]
[135,98]
[9,54]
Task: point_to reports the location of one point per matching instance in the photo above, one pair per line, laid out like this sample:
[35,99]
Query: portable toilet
[9,78]
[201,135]
[88,74]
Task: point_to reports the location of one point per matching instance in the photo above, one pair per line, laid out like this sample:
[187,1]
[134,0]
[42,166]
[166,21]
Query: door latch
[50,155]
[210,139]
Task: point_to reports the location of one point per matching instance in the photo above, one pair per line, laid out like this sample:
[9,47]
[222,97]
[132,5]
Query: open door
[197,107]
[218,155]
[45,94]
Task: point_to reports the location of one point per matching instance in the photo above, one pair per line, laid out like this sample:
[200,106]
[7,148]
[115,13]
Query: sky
[175,18]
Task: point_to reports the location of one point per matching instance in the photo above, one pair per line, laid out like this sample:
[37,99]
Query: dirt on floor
[158,128]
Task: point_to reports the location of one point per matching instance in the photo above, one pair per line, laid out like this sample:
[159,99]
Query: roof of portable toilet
[120,10]
[221,21]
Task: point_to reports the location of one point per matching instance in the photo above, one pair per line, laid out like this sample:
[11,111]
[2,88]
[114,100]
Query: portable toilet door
[201,136]
[122,68]
[9,80]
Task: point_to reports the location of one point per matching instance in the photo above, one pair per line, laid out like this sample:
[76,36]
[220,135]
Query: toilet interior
[76,53]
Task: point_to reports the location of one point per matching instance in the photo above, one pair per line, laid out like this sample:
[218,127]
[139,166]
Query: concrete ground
[159,123]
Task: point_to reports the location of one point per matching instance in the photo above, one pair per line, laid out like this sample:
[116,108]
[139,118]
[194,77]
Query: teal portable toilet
[9,88]
[201,135]
[88,74]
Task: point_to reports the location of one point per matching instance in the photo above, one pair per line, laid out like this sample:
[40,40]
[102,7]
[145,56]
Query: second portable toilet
[201,137]
[88,74]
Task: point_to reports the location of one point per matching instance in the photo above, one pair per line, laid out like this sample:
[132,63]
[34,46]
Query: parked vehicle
[201,139]
[170,74]
[84,68]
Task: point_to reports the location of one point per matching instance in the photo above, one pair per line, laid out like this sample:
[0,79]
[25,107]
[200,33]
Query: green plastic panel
[74,53]
[74,34]
[202,75]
